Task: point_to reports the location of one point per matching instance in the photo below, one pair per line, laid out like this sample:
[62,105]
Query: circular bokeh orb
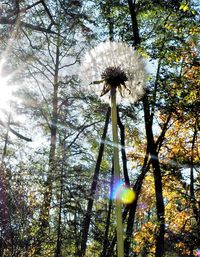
[127,195]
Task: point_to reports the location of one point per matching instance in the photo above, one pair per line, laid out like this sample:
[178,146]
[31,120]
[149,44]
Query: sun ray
[8,79]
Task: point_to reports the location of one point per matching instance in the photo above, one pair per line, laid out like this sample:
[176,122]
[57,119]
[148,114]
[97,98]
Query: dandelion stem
[120,243]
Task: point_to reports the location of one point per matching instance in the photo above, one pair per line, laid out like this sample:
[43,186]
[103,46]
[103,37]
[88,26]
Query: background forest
[55,140]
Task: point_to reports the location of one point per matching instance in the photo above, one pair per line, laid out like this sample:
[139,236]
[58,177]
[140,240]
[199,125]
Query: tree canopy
[57,172]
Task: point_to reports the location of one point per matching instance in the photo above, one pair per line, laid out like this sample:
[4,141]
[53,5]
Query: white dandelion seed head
[111,57]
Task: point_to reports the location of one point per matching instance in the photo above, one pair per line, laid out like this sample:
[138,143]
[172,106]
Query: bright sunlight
[5,93]
[6,89]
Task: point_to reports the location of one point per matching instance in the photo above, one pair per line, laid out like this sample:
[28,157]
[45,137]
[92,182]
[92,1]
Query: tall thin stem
[120,243]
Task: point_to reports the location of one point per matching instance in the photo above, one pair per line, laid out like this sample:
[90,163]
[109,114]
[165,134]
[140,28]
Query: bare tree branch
[13,17]
[15,132]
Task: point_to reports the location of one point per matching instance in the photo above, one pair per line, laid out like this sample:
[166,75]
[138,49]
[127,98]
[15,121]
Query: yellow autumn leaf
[184,6]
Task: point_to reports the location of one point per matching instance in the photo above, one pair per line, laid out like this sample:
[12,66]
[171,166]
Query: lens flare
[123,193]
[198,253]
[127,195]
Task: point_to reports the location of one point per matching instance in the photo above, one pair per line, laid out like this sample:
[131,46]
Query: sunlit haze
[7,88]
[5,93]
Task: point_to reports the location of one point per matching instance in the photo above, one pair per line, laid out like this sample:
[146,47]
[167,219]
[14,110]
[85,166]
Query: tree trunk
[6,230]
[110,21]
[105,241]
[44,214]
[192,193]
[138,186]
[151,148]
[59,239]
[87,218]
[136,37]
[133,206]
[123,151]
[193,200]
